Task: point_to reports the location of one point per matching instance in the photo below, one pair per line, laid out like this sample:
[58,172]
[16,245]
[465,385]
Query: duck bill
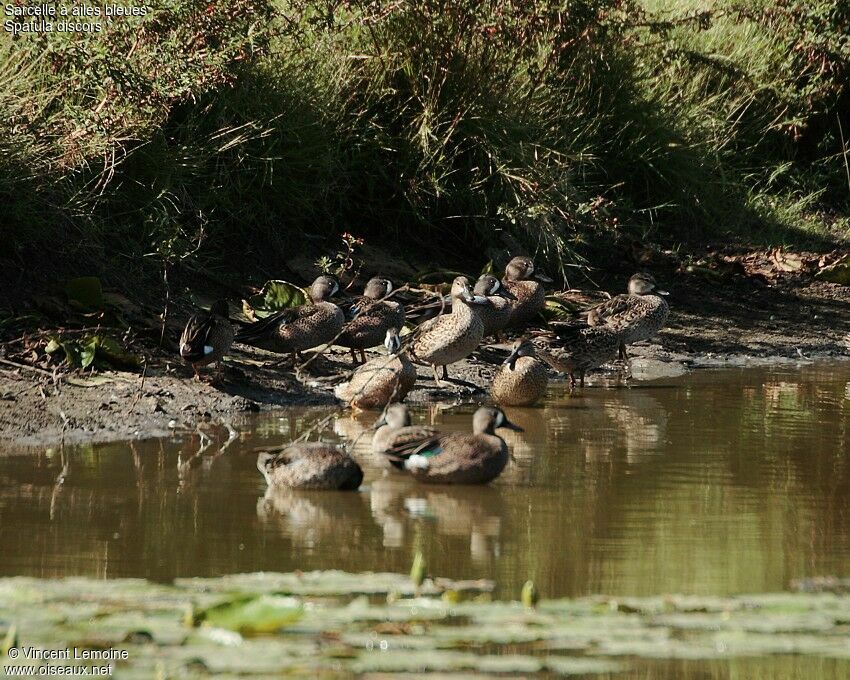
[511,426]
[662,292]
[505,293]
[543,278]
[510,362]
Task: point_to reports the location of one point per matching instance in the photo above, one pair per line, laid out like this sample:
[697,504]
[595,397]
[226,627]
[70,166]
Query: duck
[522,379]
[310,465]
[637,315]
[530,294]
[496,312]
[371,316]
[573,348]
[299,328]
[450,337]
[394,428]
[207,337]
[381,380]
[457,457]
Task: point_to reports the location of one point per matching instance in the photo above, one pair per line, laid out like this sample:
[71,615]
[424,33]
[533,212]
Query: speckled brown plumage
[637,315]
[530,295]
[394,429]
[381,380]
[299,328]
[371,316]
[450,337]
[310,465]
[522,379]
[496,312]
[573,350]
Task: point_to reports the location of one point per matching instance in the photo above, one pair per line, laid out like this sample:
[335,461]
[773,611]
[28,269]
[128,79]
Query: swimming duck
[496,312]
[380,380]
[310,465]
[450,337]
[299,328]
[575,349]
[457,457]
[522,379]
[530,295]
[637,315]
[207,337]
[370,317]
[394,428]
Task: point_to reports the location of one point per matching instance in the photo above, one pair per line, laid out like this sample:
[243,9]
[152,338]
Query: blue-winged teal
[370,316]
[310,465]
[381,380]
[522,379]
[637,315]
[458,457]
[207,337]
[530,294]
[299,328]
[450,337]
[394,429]
[575,349]
[496,312]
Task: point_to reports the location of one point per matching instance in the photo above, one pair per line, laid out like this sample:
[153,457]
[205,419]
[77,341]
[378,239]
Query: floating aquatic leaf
[85,292]
[275,296]
[253,615]
[529,596]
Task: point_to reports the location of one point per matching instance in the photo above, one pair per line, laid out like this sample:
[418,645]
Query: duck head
[377,288]
[521,348]
[488,284]
[323,287]
[392,341]
[395,416]
[488,419]
[521,268]
[643,283]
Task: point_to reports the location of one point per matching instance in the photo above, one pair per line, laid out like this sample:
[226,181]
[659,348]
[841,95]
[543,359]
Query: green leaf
[112,351]
[253,615]
[53,346]
[277,295]
[557,310]
[836,273]
[488,268]
[88,350]
[85,292]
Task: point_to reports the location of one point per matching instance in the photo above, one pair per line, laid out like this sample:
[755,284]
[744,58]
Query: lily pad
[253,615]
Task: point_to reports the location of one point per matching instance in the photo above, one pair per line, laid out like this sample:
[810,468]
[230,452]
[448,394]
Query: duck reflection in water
[473,513]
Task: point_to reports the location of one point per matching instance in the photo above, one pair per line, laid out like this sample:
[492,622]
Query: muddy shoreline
[711,325]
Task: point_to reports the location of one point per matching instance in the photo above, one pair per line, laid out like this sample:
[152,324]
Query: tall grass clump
[229,135]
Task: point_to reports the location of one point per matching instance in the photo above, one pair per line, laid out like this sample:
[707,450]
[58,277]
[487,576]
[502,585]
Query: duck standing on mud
[636,315]
[371,316]
[294,330]
[575,349]
[530,296]
[207,337]
[450,337]
[457,457]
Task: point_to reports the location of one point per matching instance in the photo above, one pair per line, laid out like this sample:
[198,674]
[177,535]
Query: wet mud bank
[711,325]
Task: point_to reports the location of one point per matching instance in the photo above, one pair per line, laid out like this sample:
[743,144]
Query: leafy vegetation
[224,135]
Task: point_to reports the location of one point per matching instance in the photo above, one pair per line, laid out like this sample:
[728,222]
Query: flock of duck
[470,314]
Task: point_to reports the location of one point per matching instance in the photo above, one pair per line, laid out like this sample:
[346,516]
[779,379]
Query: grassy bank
[226,136]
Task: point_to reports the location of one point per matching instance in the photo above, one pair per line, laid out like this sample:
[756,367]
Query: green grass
[229,135]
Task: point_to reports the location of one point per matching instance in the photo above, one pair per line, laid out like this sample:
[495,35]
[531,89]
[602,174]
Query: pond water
[715,482]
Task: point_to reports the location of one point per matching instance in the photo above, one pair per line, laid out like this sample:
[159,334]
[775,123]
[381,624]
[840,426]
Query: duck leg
[572,382]
[353,356]
[436,376]
[445,372]
[362,356]
[581,378]
[195,369]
